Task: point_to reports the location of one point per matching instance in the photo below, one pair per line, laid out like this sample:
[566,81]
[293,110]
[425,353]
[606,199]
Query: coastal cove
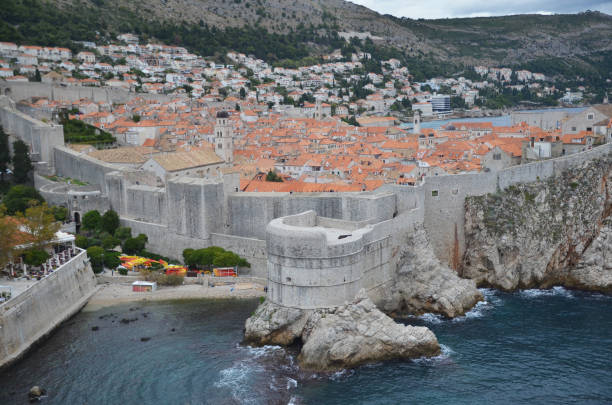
[531,346]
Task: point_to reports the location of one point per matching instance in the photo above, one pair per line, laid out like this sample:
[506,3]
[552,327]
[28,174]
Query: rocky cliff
[341,337]
[536,235]
[424,284]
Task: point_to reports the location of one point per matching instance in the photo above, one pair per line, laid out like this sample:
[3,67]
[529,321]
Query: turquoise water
[536,347]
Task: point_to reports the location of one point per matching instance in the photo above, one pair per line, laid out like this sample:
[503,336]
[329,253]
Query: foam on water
[443,357]
[236,379]
[431,318]
[555,291]
[291,383]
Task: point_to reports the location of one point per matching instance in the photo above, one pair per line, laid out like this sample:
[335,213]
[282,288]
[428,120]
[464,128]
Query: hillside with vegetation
[298,32]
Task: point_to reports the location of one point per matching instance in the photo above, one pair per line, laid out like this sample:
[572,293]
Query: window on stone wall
[590,116]
[497,156]
[573,128]
[434,193]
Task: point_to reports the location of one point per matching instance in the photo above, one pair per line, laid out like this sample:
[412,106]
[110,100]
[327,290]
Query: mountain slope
[559,43]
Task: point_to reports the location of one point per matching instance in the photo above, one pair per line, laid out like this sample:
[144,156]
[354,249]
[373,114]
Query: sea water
[533,346]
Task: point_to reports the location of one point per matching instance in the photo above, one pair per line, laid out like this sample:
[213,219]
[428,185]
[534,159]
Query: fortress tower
[224,137]
[318,114]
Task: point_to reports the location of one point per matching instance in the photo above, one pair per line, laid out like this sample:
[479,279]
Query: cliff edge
[545,233]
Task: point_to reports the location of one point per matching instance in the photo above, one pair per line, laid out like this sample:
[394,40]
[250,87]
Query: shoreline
[109,295]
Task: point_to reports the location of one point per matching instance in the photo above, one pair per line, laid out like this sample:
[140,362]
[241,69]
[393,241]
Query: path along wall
[37,311]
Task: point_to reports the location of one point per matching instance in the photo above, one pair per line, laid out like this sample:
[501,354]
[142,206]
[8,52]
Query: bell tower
[224,137]
[416,122]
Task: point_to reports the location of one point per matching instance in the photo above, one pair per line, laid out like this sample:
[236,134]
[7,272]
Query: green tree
[96,258]
[60,213]
[136,118]
[91,220]
[110,221]
[111,259]
[20,197]
[5,156]
[272,176]
[35,257]
[110,242]
[40,223]
[22,165]
[82,241]
[135,245]
[226,259]
[242,93]
[123,233]
[187,255]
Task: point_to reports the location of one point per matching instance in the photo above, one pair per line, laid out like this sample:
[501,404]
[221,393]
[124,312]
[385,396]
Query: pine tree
[5,156]
[22,165]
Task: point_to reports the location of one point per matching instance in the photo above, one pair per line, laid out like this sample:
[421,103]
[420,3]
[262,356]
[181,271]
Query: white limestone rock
[544,233]
[594,271]
[359,333]
[424,284]
[274,324]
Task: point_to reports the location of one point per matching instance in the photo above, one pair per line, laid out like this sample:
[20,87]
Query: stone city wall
[21,91]
[70,163]
[41,137]
[37,311]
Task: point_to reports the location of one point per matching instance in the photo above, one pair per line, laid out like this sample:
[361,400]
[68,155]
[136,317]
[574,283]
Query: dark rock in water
[145,339]
[94,328]
[126,320]
[35,393]
[172,330]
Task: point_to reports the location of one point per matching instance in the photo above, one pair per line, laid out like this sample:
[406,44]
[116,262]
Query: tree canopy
[20,197]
